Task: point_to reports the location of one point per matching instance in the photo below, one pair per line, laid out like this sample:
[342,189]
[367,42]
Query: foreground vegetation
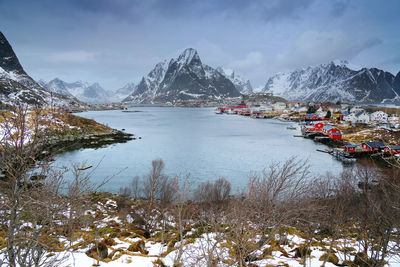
[283,217]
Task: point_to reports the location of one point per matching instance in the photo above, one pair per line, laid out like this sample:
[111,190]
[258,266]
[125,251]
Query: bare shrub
[213,193]
[274,197]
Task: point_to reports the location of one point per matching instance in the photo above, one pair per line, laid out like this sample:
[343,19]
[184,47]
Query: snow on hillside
[182,78]
[335,81]
[242,85]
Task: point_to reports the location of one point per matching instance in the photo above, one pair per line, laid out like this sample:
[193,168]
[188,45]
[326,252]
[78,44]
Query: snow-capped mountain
[56,86]
[127,89]
[336,82]
[16,86]
[183,78]
[84,91]
[242,85]
[123,92]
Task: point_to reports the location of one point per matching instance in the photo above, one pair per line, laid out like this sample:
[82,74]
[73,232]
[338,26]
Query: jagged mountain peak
[84,91]
[8,60]
[335,81]
[242,85]
[185,77]
[16,86]
[187,56]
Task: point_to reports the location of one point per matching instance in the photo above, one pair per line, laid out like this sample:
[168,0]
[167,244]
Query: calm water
[198,142]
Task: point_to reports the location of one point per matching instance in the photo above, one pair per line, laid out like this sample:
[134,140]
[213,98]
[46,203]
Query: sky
[114,42]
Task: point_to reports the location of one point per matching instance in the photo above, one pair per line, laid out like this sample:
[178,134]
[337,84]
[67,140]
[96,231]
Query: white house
[349,117]
[302,109]
[362,117]
[379,116]
[394,119]
[279,106]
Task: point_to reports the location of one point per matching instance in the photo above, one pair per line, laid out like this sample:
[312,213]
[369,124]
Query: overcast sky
[117,41]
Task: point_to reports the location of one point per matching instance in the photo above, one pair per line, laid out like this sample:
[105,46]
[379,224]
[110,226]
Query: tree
[274,197]
[28,198]
[311,109]
[328,114]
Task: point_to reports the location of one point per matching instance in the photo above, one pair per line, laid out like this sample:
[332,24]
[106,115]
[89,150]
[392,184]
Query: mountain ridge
[17,87]
[182,78]
[336,82]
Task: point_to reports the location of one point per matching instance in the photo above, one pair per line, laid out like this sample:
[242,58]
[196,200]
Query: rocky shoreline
[83,141]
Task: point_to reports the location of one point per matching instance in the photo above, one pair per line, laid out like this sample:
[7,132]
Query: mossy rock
[302,251]
[109,241]
[332,258]
[139,231]
[138,246]
[99,251]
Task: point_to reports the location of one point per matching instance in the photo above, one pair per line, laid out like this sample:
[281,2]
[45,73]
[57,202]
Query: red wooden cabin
[375,146]
[392,150]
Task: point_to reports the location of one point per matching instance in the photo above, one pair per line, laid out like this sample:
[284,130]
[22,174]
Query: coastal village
[353,131]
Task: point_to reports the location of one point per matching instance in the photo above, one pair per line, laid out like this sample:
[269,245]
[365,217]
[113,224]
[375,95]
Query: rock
[138,246]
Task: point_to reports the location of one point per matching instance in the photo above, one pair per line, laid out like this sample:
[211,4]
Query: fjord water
[198,142]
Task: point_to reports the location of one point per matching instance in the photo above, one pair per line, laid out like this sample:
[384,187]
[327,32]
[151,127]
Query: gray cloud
[339,7]
[278,9]
[314,47]
[117,41]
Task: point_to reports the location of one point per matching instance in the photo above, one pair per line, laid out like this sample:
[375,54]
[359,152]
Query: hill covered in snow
[336,81]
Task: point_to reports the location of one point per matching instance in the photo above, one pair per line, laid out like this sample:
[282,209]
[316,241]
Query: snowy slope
[335,81]
[84,91]
[183,78]
[146,90]
[242,85]
[123,92]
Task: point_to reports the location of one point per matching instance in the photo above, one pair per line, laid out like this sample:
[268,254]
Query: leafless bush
[275,197]
[31,203]
[213,193]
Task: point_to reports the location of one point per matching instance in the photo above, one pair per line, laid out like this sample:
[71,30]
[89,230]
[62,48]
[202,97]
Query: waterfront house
[373,146]
[331,131]
[392,150]
[350,148]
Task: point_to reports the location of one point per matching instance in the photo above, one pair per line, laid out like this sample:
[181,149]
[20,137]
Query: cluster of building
[371,147]
[325,120]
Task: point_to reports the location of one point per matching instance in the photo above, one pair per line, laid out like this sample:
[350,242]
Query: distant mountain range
[242,85]
[336,81]
[186,77]
[84,91]
[183,78]
[17,87]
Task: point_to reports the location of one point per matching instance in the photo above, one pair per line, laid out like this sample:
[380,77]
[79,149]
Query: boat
[218,111]
[85,167]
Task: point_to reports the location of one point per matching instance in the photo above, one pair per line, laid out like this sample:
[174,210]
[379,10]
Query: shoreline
[85,141]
